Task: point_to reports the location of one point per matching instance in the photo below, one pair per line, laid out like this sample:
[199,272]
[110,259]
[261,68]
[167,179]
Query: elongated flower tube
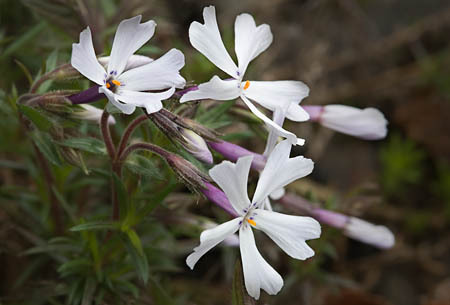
[288,232]
[368,123]
[250,41]
[125,88]
[358,229]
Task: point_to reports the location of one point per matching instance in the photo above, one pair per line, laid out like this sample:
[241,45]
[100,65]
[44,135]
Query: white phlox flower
[250,41]
[122,84]
[288,232]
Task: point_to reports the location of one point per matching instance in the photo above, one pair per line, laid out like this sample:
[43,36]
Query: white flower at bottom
[288,232]
[124,88]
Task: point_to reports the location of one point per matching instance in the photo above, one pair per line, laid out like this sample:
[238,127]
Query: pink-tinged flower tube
[233,152]
[367,123]
[353,227]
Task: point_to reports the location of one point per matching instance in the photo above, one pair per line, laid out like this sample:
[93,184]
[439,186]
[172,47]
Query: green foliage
[402,165]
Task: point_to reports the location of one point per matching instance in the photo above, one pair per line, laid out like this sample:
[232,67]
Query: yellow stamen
[251,221]
[115,82]
[108,85]
[246,85]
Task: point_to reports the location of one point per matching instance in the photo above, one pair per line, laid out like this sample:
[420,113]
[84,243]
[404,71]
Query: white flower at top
[123,88]
[288,232]
[250,41]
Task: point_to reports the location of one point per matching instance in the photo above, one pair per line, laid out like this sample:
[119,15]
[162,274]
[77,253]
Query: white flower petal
[161,73]
[84,59]
[232,179]
[284,94]
[130,36]
[258,274]
[210,238]
[150,100]
[368,123]
[216,89]
[277,194]
[280,170]
[288,232]
[133,62]
[281,132]
[250,40]
[207,40]
[278,117]
[125,108]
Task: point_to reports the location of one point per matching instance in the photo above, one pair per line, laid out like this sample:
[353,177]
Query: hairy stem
[127,133]
[104,127]
[144,146]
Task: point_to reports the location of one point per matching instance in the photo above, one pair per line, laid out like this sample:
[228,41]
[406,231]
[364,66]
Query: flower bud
[366,232]
[193,178]
[90,113]
[196,146]
[368,123]
[178,130]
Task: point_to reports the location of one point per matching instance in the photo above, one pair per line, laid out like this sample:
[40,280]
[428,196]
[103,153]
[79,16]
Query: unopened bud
[195,145]
[368,123]
[366,232]
[176,129]
[193,178]
[90,113]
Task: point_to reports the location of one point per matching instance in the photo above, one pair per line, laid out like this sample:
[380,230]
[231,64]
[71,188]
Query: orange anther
[108,85]
[251,221]
[247,84]
[115,82]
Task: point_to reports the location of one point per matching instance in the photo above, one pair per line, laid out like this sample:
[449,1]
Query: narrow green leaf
[47,147]
[25,71]
[91,145]
[213,114]
[89,289]
[75,266]
[38,119]
[162,297]
[140,262]
[143,166]
[135,241]
[239,294]
[96,225]
[23,39]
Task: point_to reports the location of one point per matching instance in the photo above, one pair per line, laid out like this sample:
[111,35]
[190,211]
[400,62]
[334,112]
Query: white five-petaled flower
[250,41]
[288,232]
[123,88]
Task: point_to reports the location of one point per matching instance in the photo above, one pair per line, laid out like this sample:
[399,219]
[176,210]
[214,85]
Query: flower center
[112,84]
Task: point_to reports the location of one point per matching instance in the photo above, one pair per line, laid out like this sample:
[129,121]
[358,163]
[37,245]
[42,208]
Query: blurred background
[390,54]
